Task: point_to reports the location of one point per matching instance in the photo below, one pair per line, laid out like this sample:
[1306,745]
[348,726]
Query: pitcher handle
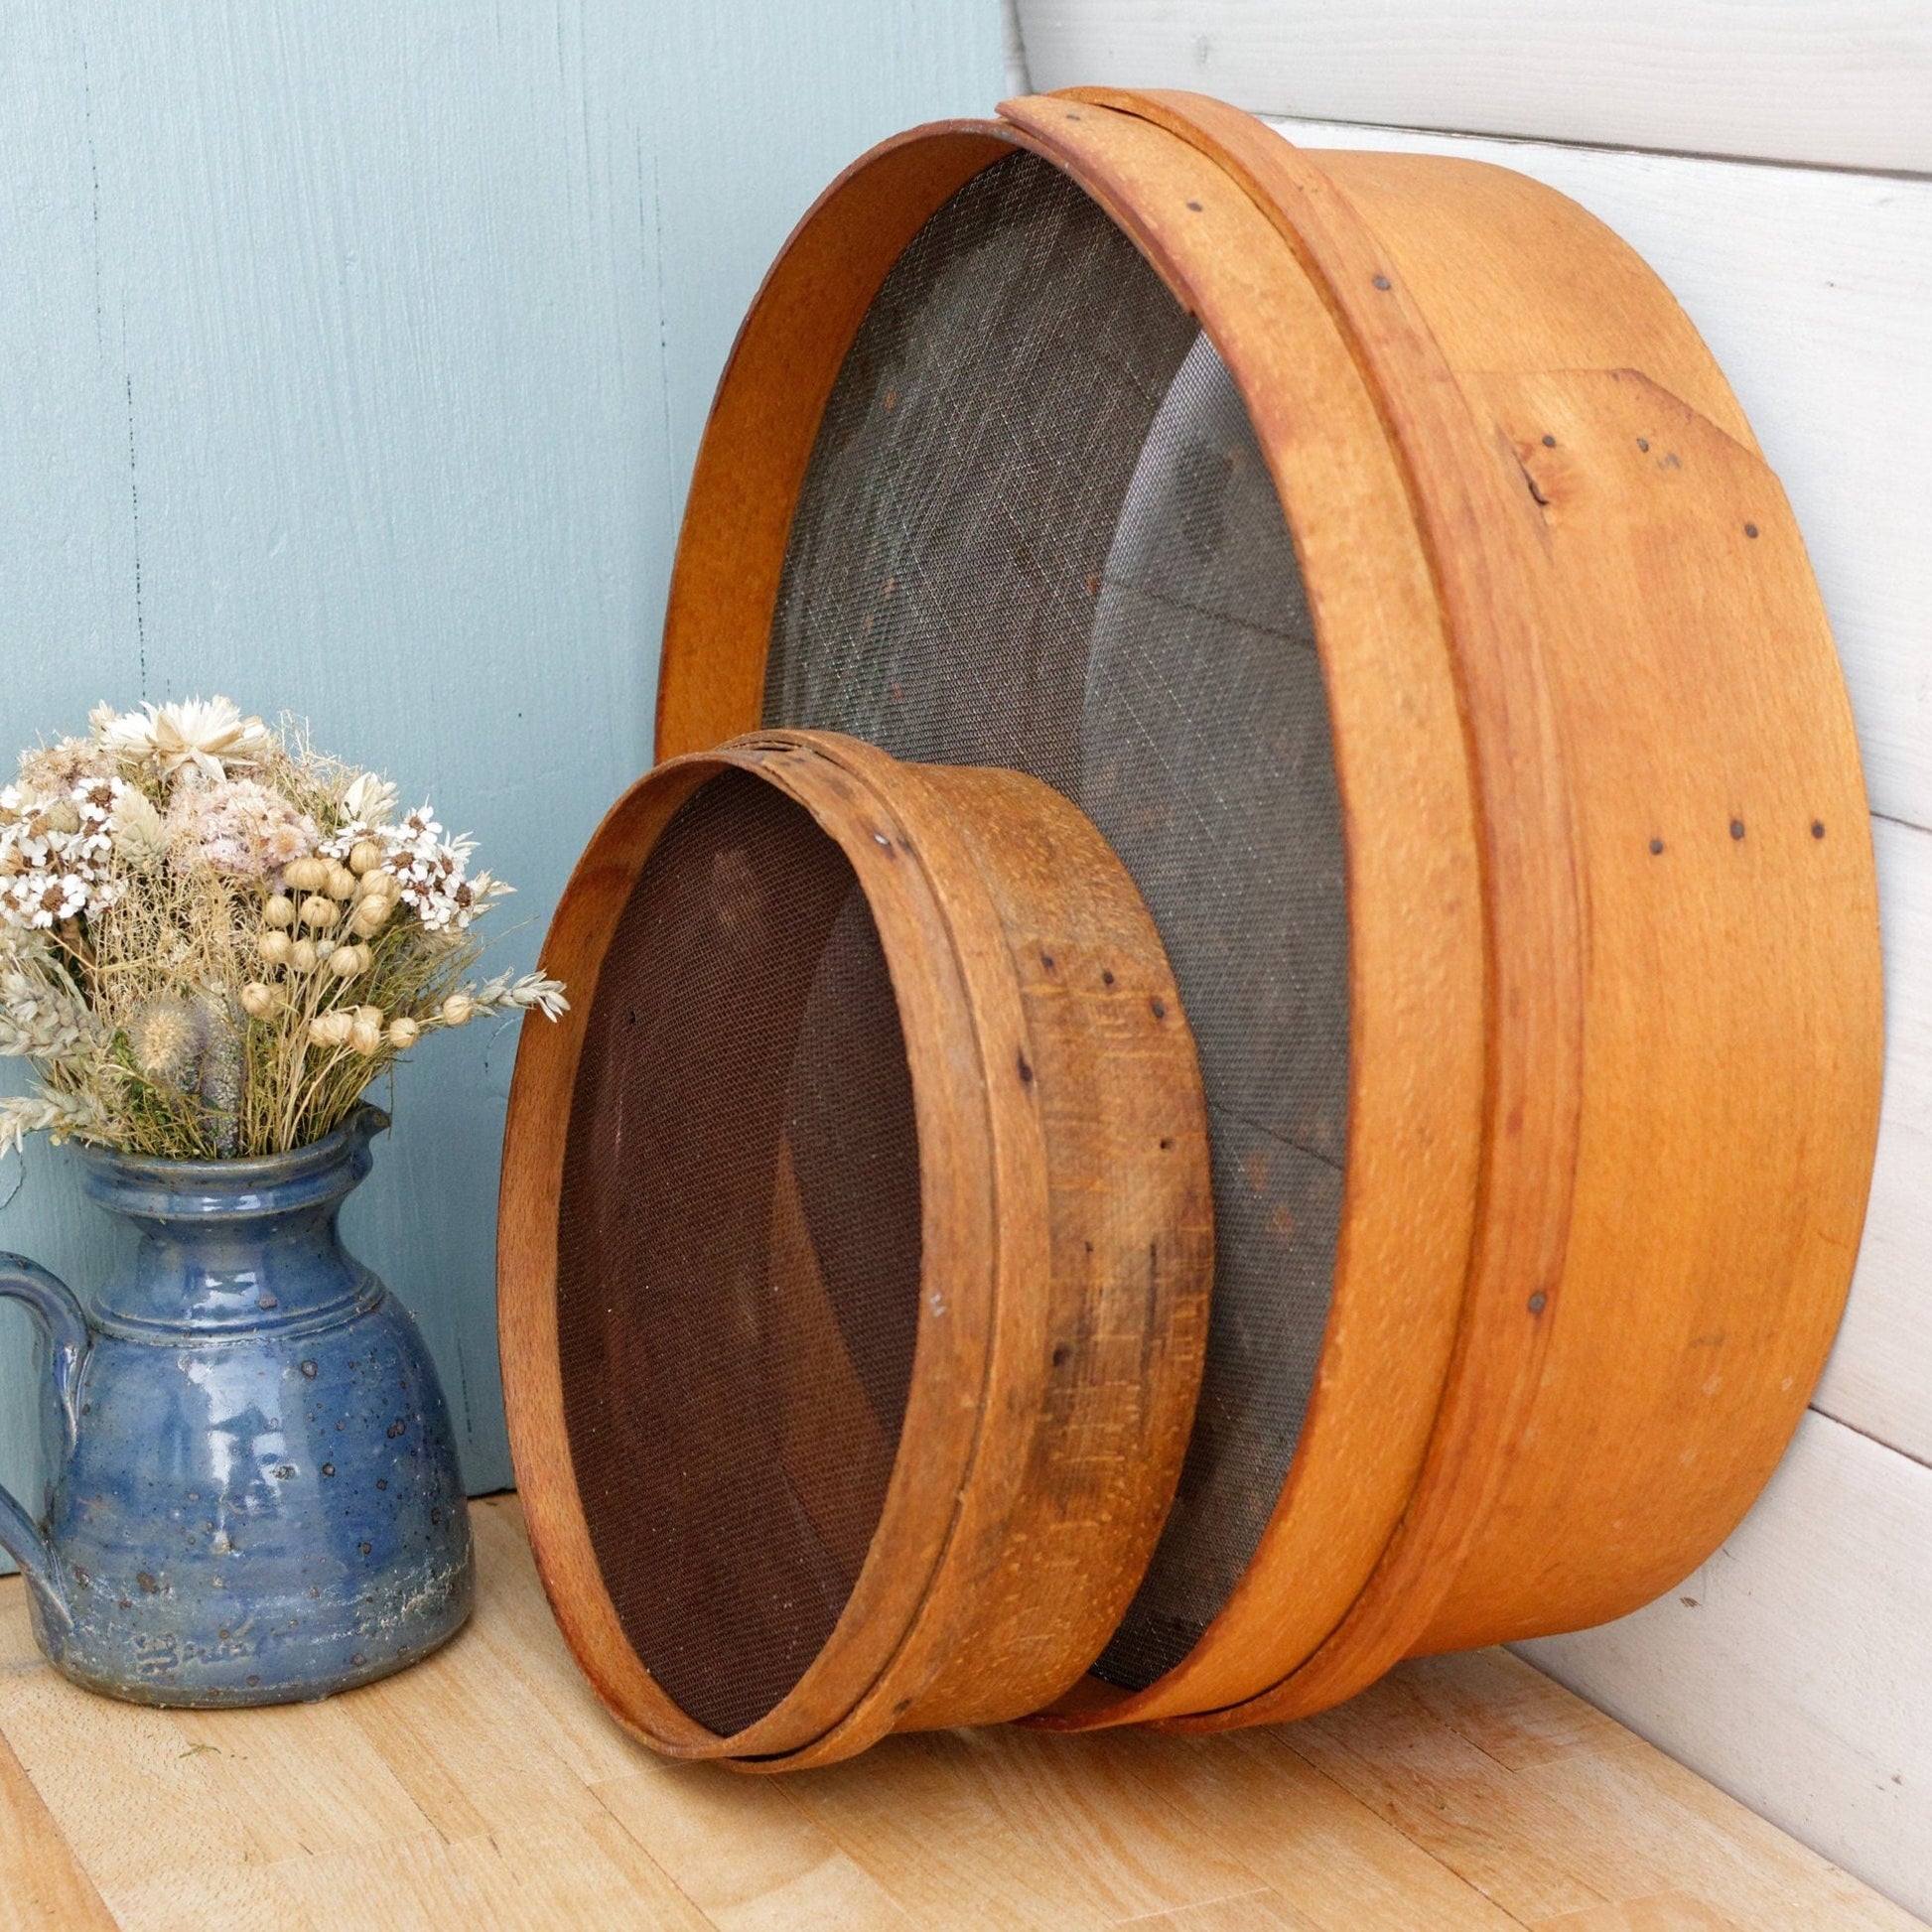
[55,1307]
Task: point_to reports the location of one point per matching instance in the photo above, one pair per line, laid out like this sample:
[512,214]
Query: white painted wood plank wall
[1878,1380]
[1793,1670]
[1839,82]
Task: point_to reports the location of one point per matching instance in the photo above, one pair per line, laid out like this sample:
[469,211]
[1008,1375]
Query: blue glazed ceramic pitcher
[254,1494]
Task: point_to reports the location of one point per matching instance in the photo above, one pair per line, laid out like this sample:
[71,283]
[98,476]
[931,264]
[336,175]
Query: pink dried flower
[241,827]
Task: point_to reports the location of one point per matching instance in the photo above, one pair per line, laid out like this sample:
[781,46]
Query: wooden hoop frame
[1066,1233]
[1616,1015]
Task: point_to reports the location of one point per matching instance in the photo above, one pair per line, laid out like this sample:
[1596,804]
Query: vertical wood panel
[355,361]
[1880,1376]
[1790,1669]
[1847,82]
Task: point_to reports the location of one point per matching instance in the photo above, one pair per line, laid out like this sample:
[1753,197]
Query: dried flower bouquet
[212,938]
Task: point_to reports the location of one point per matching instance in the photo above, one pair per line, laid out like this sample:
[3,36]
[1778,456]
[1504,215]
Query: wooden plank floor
[487,1788]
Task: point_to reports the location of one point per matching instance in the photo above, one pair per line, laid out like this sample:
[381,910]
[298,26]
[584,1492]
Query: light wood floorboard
[486,1789]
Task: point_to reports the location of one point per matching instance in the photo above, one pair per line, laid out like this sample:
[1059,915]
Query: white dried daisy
[429,867]
[55,853]
[24,819]
[205,736]
[95,802]
[434,883]
[45,897]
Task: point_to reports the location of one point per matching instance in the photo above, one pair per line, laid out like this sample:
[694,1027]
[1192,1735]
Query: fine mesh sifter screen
[739,1252]
[1037,532]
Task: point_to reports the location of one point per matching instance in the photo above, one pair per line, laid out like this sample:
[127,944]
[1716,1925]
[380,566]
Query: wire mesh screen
[1037,531]
[739,1258]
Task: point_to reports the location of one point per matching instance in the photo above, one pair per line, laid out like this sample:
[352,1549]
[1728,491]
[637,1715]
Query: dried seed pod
[259,1001]
[275,946]
[371,914]
[320,913]
[341,882]
[365,856]
[278,910]
[347,961]
[303,955]
[458,1009]
[305,875]
[365,1035]
[404,1032]
[331,1028]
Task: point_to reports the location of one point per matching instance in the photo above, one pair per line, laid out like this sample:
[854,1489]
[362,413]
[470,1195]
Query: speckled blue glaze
[254,1494]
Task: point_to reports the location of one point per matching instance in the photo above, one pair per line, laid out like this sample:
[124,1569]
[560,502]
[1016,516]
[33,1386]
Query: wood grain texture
[1789,1668]
[1416,938]
[41,1888]
[1493,1534]
[356,367]
[1811,290]
[1064,1262]
[1457,486]
[1762,830]
[1586,496]
[758,436]
[1843,85]
[1845,265]
[531,1809]
[1666,1913]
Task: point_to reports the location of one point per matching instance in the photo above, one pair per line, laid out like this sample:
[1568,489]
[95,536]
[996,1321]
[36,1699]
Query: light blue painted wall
[353,359]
